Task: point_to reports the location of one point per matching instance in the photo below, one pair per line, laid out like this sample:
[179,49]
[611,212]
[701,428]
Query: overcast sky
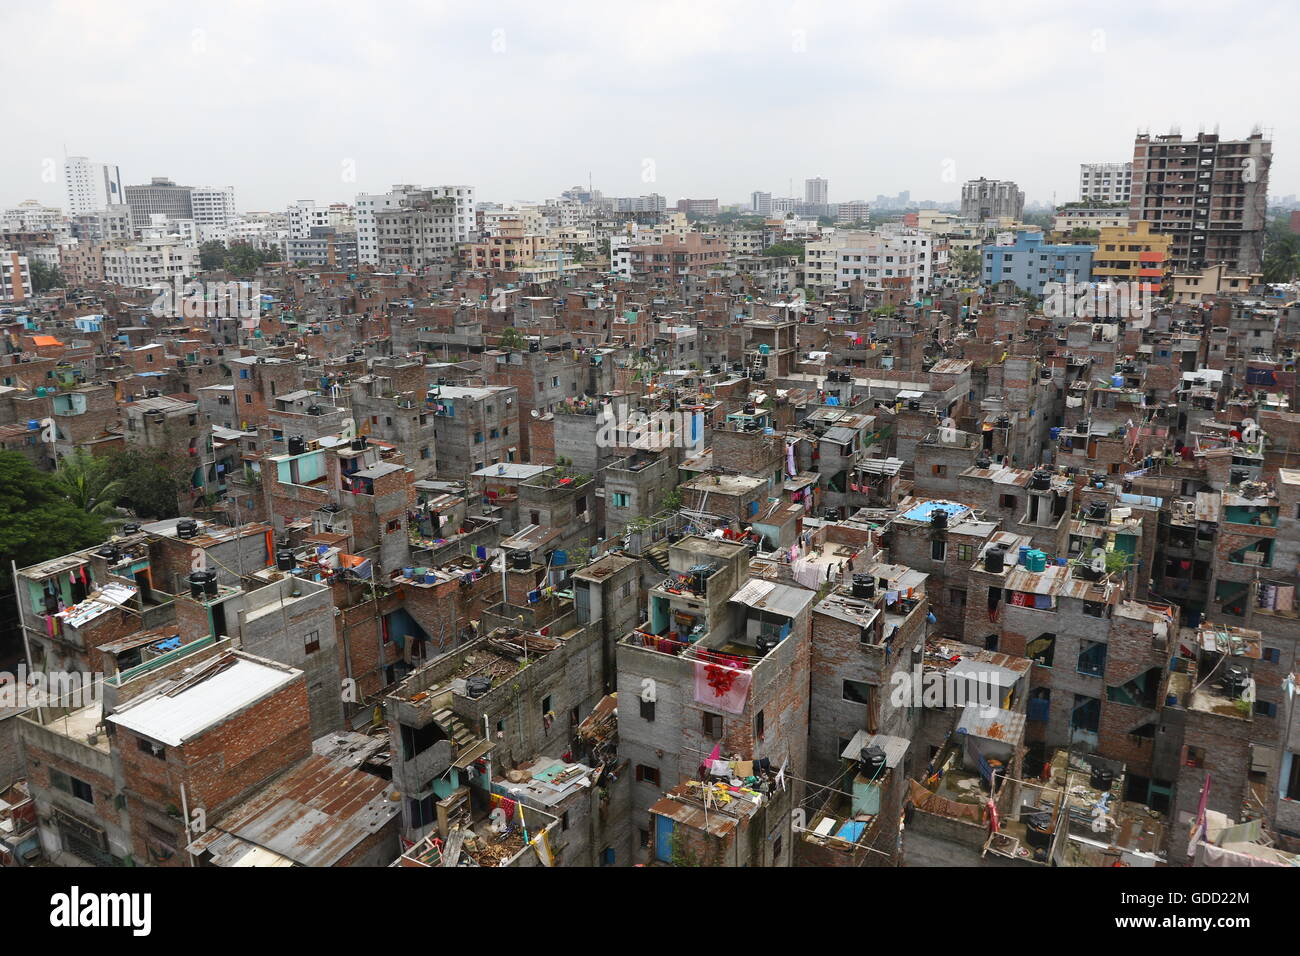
[699,98]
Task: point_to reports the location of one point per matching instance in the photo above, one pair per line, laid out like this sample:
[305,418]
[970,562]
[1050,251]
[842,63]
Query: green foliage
[84,480]
[238,258]
[37,521]
[1281,257]
[785,249]
[45,277]
[149,480]
[512,338]
[967,262]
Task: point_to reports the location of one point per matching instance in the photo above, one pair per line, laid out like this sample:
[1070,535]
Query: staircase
[657,555]
[455,728]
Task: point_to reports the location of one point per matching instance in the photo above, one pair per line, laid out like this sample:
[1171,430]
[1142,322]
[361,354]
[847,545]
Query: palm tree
[83,479]
[1282,259]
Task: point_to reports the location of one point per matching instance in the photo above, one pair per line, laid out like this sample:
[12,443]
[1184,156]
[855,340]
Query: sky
[687,98]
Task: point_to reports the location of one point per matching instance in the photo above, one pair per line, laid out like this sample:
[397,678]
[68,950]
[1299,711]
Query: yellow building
[1132,254]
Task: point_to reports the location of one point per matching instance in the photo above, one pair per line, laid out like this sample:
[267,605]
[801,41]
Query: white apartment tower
[212,205]
[91,186]
[371,204]
[1105,182]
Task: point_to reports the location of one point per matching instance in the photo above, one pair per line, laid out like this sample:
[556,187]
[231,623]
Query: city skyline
[238,100]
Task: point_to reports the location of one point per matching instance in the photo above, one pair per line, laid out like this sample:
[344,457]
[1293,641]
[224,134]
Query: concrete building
[1105,182]
[1208,193]
[991,199]
[91,186]
[160,197]
[1029,262]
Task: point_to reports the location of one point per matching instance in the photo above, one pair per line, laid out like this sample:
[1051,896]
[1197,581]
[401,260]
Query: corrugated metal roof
[174,719]
[776,598]
[992,723]
[894,747]
[313,815]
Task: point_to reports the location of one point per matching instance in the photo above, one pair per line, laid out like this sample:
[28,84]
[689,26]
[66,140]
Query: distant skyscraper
[1105,182]
[761,203]
[816,191]
[160,197]
[213,205]
[1209,194]
[91,186]
[991,199]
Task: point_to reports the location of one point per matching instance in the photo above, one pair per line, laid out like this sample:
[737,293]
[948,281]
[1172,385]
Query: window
[546,705]
[621,499]
[1007,501]
[1092,658]
[1194,756]
[646,774]
[776,849]
[712,725]
[857,691]
[1041,649]
[643,836]
[311,641]
[152,749]
[758,725]
[965,552]
[648,710]
[938,549]
[70,784]
[607,856]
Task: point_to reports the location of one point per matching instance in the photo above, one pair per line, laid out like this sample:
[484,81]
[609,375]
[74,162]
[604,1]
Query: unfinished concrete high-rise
[1210,194]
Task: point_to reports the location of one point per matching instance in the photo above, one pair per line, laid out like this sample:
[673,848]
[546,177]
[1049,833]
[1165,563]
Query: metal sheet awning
[467,757]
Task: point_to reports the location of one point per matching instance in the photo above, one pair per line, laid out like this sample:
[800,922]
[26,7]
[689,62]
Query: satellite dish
[536,413]
[1098,563]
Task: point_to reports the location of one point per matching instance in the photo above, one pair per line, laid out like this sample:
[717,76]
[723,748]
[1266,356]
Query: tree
[37,521]
[211,255]
[84,480]
[967,262]
[45,277]
[512,338]
[1282,258]
[785,249]
[151,480]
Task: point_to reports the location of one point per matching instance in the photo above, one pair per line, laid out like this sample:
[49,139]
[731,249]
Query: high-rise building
[369,205]
[1209,194]
[761,203]
[991,199]
[91,186]
[160,197]
[815,191]
[212,205]
[1105,182]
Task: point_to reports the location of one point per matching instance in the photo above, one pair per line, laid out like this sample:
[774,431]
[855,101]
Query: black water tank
[1101,779]
[200,582]
[297,444]
[285,560]
[521,560]
[864,586]
[130,528]
[1041,481]
[187,528]
[938,519]
[1235,678]
[477,686]
[993,560]
[872,759]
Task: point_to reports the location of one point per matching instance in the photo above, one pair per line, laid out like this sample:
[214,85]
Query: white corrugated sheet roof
[173,720]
